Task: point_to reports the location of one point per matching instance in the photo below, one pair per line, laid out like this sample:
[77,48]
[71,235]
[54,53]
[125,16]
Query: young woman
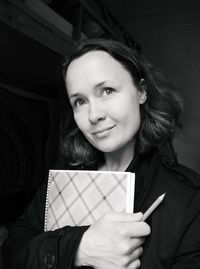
[121,115]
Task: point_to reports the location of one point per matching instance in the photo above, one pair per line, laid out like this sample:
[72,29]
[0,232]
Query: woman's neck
[120,159]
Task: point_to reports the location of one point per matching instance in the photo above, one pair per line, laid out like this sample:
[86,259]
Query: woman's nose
[96,113]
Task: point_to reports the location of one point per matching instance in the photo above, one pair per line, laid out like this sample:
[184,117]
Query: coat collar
[169,159]
[144,166]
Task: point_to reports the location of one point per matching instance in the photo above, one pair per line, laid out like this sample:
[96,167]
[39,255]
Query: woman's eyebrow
[95,87]
[103,83]
[74,95]
[99,84]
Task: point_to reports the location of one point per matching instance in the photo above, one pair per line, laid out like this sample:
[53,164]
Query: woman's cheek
[80,120]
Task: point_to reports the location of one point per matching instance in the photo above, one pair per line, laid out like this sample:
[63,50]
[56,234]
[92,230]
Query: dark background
[30,83]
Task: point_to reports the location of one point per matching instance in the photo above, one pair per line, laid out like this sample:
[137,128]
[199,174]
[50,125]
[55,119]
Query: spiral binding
[47,201]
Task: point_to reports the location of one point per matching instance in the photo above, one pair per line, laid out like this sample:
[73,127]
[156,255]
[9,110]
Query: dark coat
[174,241]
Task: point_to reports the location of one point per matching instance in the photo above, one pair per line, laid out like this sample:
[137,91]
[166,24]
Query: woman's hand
[114,241]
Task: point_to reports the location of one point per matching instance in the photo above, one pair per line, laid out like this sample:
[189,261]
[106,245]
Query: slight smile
[102,132]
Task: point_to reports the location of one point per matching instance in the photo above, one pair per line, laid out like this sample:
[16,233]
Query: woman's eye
[108,91]
[79,102]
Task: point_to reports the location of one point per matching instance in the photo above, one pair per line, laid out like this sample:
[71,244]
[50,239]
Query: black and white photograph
[99,134]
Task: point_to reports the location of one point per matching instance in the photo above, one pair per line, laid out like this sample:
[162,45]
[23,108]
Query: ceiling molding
[35,19]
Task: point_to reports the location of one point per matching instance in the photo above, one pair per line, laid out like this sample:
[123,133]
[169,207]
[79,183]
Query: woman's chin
[107,148]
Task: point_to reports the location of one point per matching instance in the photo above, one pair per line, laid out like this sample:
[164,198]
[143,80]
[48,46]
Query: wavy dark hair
[159,114]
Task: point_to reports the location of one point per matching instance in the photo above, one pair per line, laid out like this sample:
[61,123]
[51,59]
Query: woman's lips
[103,131]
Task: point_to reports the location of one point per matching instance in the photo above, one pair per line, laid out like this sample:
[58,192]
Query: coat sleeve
[188,252]
[28,246]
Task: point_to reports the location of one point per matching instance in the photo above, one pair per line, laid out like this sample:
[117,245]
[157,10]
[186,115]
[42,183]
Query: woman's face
[105,101]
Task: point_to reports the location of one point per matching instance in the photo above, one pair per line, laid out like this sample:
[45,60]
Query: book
[79,197]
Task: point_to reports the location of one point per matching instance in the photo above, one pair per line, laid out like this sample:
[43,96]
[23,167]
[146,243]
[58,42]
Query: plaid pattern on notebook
[81,197]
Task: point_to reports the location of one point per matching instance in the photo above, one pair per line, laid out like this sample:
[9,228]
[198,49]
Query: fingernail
[140,215]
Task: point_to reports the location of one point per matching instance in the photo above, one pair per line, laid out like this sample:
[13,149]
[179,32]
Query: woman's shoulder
[170,164]
[181,173]
[178,216]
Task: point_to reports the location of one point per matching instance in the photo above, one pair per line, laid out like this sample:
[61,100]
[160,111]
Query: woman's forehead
[95,64]
[91,58]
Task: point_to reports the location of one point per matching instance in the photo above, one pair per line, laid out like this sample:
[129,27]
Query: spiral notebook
[77,198]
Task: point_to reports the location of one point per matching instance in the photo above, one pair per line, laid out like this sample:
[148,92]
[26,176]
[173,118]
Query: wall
[171,40]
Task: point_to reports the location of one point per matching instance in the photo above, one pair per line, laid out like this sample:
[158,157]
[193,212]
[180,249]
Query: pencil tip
[162,196]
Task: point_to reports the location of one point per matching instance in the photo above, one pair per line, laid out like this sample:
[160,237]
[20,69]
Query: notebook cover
[77,198]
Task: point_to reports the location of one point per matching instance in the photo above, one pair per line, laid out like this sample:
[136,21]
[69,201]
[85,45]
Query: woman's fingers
[134,265]
[132,230]
[135,254]
[135,243]
[139,229]
[115,239]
